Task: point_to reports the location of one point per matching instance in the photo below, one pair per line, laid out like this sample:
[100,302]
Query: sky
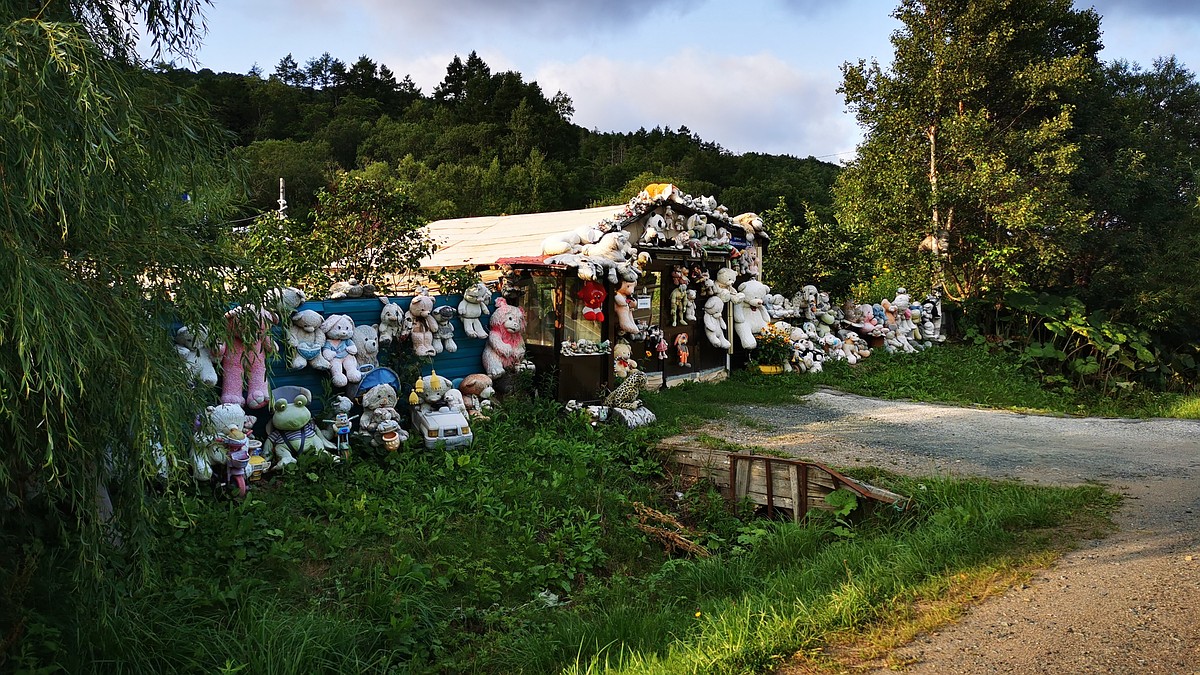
[752,76]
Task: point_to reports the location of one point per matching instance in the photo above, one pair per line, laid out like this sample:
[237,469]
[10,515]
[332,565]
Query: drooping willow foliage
[114,190]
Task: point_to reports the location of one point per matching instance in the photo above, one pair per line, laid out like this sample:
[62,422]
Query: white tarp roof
[485,239]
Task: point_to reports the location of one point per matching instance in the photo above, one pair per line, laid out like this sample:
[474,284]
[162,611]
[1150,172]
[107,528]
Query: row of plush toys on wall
[846,333]
[350,354]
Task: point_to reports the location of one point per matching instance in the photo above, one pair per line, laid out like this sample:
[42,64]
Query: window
[540,315]
[577,327]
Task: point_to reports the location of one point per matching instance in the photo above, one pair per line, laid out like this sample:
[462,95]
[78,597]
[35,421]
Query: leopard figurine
[626,395]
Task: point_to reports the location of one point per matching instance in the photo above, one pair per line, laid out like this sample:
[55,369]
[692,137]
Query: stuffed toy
[424,325]
[652,232]
[623,363]
[626,394]
[661,192]
[623,310]
[292,431]
[748,262]
[571,242]
[750,313]
[714,323]
[350,289]
[379,410]
[751,223]
[340,350]
[432,393]
[505,348]
[592,295]
[244,364]
[337,430]
[689,306]
[443,339]
[679,298]
[392,325]
[473,306]
[477,392]
[216,422]
[305,341]
[283,301]
[201,363]
[681,349]
[724,289]
[366,341]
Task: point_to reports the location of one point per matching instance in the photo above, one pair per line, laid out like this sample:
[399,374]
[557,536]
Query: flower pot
[770,370]
[391,440]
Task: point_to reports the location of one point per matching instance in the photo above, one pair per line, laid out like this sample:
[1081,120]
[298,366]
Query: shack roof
[483,240]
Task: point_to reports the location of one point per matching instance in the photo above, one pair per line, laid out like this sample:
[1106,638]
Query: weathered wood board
[774,482]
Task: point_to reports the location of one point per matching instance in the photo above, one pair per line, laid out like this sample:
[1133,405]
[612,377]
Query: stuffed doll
[201,363]
[714,323]
[293,432]
[391,323]
[623,310]
[505,348]
[340,350]
[306,340]
[592,295]
[689,306]
[424,325]
[244,363]
[473,306]
[681,349]
[679,304]
[379,407]
[366,341]
[443,339]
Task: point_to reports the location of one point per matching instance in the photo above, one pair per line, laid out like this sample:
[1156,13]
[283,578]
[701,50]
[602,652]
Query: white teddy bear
[340,350]
[201,363]
[306,340]
[473,306]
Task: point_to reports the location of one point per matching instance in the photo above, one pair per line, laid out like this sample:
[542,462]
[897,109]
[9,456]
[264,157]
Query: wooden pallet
[774,482]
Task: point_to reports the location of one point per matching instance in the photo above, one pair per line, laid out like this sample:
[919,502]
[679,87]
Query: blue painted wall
[467,360]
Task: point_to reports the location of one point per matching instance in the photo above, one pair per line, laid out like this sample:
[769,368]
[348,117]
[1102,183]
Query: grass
[519,555]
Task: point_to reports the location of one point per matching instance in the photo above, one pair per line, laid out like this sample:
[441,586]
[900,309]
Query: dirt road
[1129,603]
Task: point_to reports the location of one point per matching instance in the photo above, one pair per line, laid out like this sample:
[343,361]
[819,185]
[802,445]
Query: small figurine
[340,426]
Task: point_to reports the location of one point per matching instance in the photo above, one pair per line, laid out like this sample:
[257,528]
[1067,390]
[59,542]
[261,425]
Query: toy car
[437,426]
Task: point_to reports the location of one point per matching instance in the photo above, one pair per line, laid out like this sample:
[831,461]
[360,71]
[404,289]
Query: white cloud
[752,103]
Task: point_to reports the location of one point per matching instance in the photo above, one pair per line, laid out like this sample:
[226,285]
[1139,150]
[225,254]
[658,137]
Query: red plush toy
[592,296]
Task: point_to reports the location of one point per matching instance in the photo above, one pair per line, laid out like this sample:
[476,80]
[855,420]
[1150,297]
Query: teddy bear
[750,312]
[652,231]
[379,413]
[592,296]
[292,431]
[244,361]
[689,306]
[623,310]
[305,340]
[191,347]
[339,349]
[424,325]
[505,348]
[623,362]
[366,341]
[283,301]
[392,324]
[443,338]
[714,322]
[215,422]
[477,392]
[474,305]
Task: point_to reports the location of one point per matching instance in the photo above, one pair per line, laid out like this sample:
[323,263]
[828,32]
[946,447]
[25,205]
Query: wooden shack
[572,350]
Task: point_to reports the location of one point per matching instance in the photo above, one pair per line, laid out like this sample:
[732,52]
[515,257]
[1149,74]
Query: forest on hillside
[480,143]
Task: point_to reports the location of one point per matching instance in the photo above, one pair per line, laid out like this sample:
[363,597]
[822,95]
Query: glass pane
[577,327]
[539,311]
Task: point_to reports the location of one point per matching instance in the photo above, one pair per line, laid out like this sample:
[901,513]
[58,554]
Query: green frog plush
[292,431]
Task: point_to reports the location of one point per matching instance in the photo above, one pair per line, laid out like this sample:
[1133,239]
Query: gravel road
[1128,603]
